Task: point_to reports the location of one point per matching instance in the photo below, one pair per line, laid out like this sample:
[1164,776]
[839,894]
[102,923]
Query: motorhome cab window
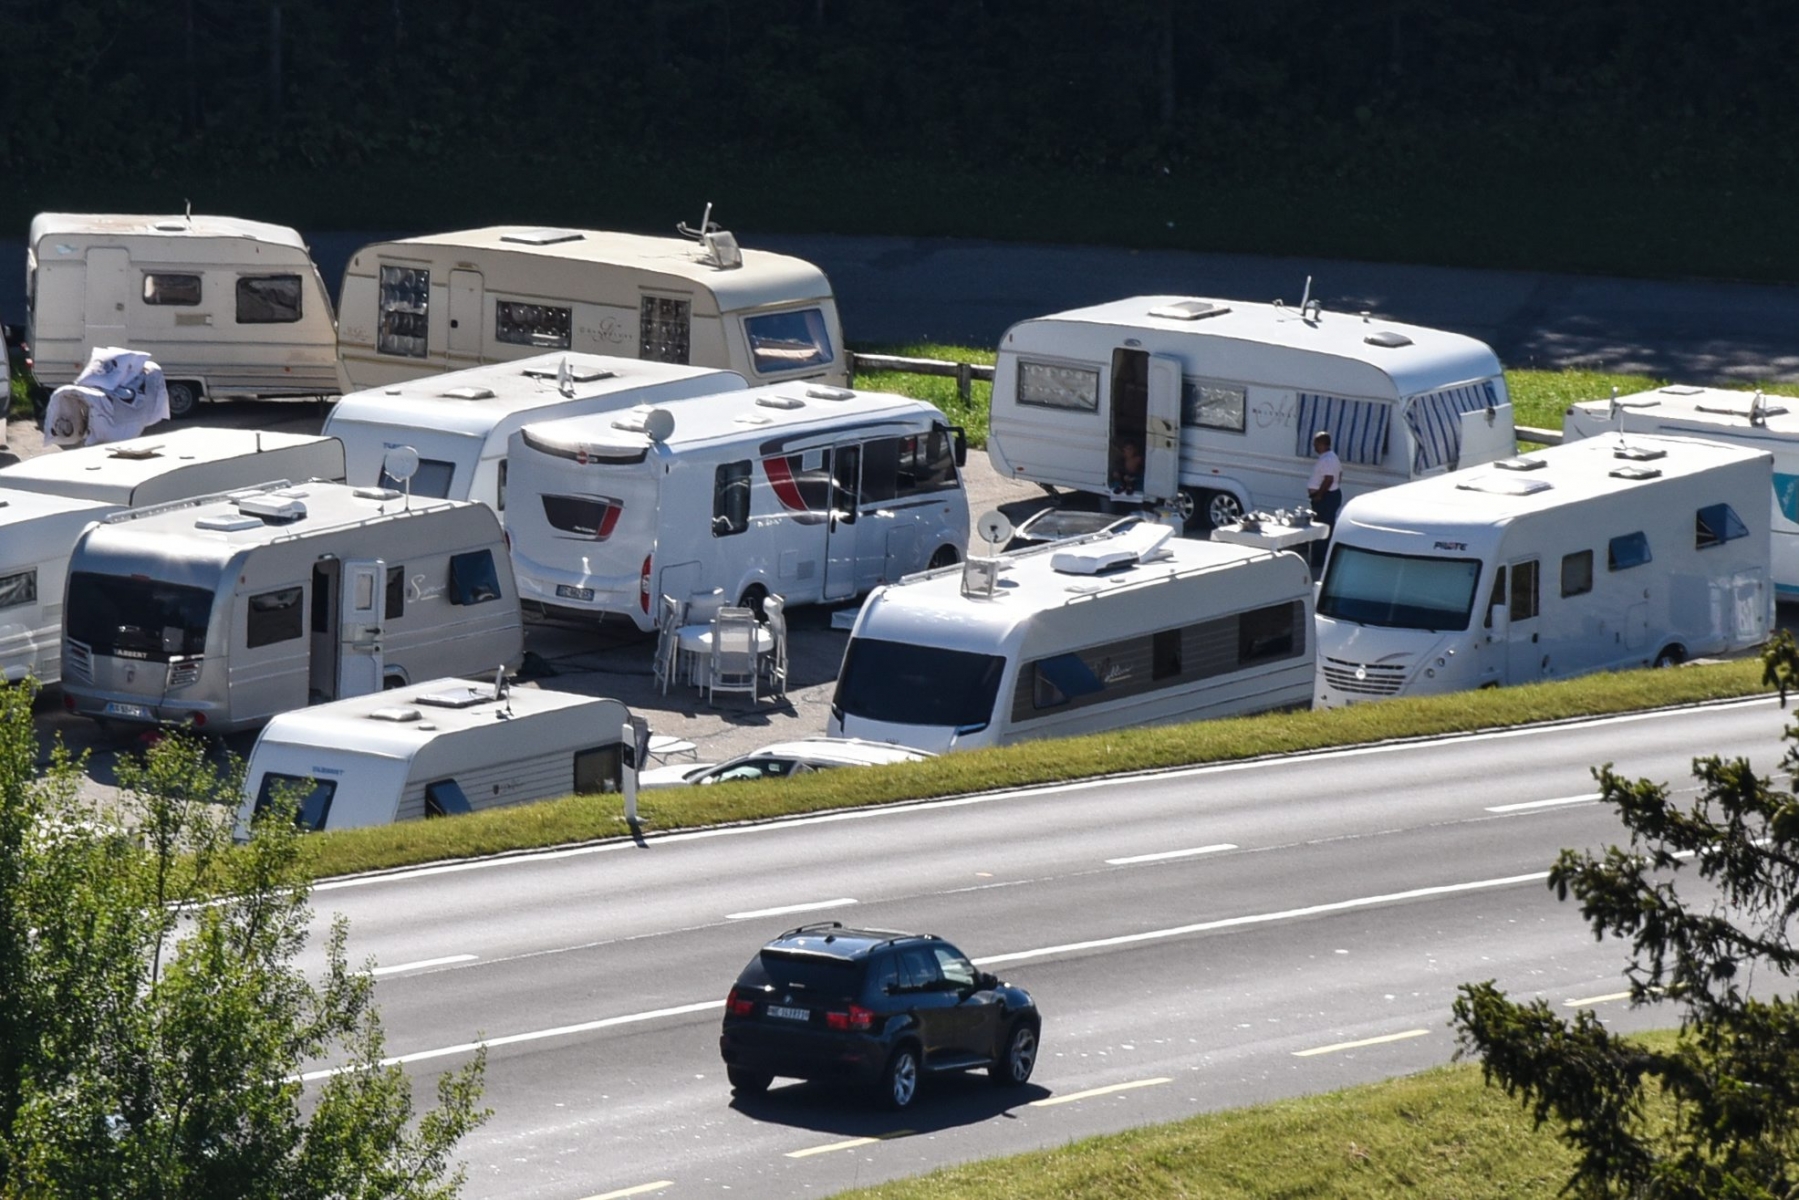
[1358,428]
[1577,573]
[473,579]
[665,329]
[590,518]
[268,299]
[788,341]
[599,771]
[17,589]
[927,463]
[1627,551]
[274,617]
[310,797]
[1046,385]
[403,317]
[136,618]
[542,325]
[1213,405]
[1716,524]
[918,685]
[171,289]
[431,479]
[731,498]
[1398,591]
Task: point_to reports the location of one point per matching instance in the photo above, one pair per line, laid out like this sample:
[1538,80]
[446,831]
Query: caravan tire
[944,557]
[184,397]
[752,599]
[1222,508]
[1671,656]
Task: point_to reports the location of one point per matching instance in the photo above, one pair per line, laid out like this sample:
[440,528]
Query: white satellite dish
[658,424]
[993,527]
[401,463]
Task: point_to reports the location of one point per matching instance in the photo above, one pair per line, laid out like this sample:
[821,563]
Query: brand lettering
[1269,414]
[1449,545]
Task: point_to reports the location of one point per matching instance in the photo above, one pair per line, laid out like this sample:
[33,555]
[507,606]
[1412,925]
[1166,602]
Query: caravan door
[108,271]
[465,315]
[840,524]
[1162,430]
[362,610]
[1524,653]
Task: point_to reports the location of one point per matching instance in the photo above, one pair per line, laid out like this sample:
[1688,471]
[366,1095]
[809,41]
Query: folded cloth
[118,395]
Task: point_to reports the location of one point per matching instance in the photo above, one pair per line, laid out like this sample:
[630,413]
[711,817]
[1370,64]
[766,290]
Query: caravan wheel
[752,599]
[1671,656]
[184,397]
[945,556]
[1222,508]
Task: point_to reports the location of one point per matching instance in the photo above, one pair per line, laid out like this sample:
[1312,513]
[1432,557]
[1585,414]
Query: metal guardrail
[963,373]
[1545,437]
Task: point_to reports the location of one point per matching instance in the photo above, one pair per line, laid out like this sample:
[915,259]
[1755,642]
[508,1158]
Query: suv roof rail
[814,927]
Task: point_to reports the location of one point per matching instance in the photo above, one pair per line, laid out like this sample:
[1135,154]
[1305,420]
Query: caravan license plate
[565,592]
[790,1014]
[115,709]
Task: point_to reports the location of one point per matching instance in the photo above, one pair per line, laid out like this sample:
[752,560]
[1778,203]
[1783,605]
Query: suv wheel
[747,1083]
[1019,1058]
[899,1082]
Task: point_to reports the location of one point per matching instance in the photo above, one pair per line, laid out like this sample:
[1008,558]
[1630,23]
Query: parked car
[876,1009]
[783,760]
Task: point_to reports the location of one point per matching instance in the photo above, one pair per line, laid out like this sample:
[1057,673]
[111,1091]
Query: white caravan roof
[59,224]
[19,509]
[397,723]
[764,278]
[121,466]
[1415,358]
[1707,410]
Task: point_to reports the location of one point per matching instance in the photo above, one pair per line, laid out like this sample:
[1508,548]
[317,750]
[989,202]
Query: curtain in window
[1436,422]
[1358,428]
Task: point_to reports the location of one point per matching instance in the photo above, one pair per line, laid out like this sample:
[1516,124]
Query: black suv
[873,1007]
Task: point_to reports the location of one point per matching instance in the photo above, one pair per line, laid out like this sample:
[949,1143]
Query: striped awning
[1358,428]
[1435,419]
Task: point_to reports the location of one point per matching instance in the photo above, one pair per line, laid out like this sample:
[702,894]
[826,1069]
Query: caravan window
[542,325]
[1716,524]
[18,589]
[1577,573]
[1264,634]
[403,314]
[1358,428]
[880,470]
[310,797]
[907,684]
[171,289]
[665,329]
[1047,385]
[1627,551]
[802,482]
[274,617]
[927,463]
[1213,405]
[1524,590]
[136,618]
[395,608]
[731,498]
[599,771]
[445,799]
[431,479]
[587,517]
[788,341]
[473,579]
[1398,591]
[268,299]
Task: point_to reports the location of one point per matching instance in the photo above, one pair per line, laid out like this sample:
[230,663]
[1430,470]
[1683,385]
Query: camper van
[227,307]
[220,612]
[1604,554]
[1110,631]
[423,305]
[177,465]
[1213,403]
[460,422]
[814,493]
[1769,423]
[36,532]
[435,749]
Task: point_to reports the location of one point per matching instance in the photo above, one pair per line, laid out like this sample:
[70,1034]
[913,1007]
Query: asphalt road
[1197,940]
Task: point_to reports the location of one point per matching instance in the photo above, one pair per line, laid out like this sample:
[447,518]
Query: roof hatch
[1634,474]
[1189,310]
[455,697]
[788,402]
[1391,339]
[578,374]
[471,392]
[136,452]
[1638,453]
[543,237]
[1499,485]
[1521,464]
[1127,547]
[820,392]
[272,506]
[396,713]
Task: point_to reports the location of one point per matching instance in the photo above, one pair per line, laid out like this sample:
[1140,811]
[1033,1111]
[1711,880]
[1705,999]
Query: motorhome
[177,465]
[815,493]
[1110,631]
[227,307]
[220,612]
[460,422]
[1220,400]
[422,305]
[1758,421]
[36,532]
[434,749]
[1603,554]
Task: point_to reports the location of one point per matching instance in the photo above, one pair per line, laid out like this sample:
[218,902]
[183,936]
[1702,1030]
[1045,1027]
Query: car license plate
[789,1014]
[565,592]
[115,709]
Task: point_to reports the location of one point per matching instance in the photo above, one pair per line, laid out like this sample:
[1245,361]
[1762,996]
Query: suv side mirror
[985,981]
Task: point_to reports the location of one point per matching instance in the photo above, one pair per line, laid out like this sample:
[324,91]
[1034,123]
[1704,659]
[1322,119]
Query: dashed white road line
[1165,854]
[641,1189]
[1373,1041]
[1605,999]
[1071,1097]
[850,1144]
[1555,803]
[421,964]
[784,909]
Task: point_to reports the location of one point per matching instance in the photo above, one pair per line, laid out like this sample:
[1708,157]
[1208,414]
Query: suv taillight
[857,1018]
[643,584]
[740,1003]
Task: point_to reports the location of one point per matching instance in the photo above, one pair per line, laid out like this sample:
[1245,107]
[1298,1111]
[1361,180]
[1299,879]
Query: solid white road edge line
[1373,1041]
[1143,858]
[422,963]
[1071,1097]
[640,1190]
[1530,804]
[790,908]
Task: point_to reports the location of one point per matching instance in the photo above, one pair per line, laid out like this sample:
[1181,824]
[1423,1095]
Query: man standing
[1325,487]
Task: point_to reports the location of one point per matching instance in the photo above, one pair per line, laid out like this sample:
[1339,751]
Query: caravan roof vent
[1521,464]
[169,227]
[397,713]
[830,393]
[1682,389]
[543,237]
[376,493]
[229,524]
[272,506]
[1389,338]
[578,374]
[455,697]
[1635,474]
[1127,547]
[1189,310]
[1639,453]
[136,452]
[1498,485]
[753,419]
[471,392]
[787,402]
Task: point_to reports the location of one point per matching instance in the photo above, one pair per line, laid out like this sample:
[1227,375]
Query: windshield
[904,684]
[136,618]
[788,341]
[1398,591]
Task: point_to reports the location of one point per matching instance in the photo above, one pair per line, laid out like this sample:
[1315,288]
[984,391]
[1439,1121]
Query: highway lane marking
[1609,996]
[790,908]
[1158,857]
[901,809]
[1530,804]
[640,1190]
[422,963]
[1373,1041]
[1071,1097]
[851,1144]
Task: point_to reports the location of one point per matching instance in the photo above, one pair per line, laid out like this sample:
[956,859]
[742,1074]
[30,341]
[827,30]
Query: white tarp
[118,395]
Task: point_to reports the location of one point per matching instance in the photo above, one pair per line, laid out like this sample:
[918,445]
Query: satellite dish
[658,424]
[401,463]
[994,527]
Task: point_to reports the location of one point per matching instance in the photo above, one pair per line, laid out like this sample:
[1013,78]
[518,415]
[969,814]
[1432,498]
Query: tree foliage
[1717,1115]
[155,1019]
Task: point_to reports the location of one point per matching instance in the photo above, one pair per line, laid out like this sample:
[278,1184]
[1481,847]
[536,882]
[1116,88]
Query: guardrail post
[965,381]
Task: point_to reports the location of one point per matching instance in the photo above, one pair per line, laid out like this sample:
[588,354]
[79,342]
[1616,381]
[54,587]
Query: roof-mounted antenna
[565,379]
[189,213]
[1758,409]
[706,226]
[1308,307]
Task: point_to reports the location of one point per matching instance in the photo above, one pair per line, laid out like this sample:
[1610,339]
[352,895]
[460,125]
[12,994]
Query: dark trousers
[1326,509]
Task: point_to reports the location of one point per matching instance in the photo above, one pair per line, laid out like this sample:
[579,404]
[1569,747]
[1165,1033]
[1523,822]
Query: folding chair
[734,668]
[773,662]
[699,609]
[669,620]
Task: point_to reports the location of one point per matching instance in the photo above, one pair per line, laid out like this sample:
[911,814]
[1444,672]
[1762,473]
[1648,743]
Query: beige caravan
[227,307]
[424,305]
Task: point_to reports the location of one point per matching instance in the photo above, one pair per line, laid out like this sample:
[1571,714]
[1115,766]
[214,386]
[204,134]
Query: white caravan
[226,307]
[460,422]
[1222,397]
[222,611]
[814,493]
[1111,631]
[1769,423]
[427,304]
[36,532]
[435,749]
[177,465]
[1598,555]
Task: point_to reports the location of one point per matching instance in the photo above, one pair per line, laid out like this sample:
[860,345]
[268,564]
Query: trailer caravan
[460,422]
[177,465]
[814,493]
[1760,422]
[1597,555]
[434,749]
[1222,397]
[227,307]
[36,532]
[1111,631]
[422,305]
[221,611]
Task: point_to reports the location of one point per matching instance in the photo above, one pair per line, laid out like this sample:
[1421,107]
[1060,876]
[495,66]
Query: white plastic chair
[734,667]
[773,661]
[700,608]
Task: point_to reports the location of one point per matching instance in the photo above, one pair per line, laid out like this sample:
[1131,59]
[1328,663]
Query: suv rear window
[812,974]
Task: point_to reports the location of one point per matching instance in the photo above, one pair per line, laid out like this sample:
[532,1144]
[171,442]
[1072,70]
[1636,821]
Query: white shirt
[1330,465]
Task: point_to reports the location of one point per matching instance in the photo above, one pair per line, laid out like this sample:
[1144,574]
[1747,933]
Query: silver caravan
[460,422]
[36,532]
[435,749]
[177,465]
[1110,631]
[1222,397]
[811,492]
[423,305]
[227,307]
[222,611]
[1597,555]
